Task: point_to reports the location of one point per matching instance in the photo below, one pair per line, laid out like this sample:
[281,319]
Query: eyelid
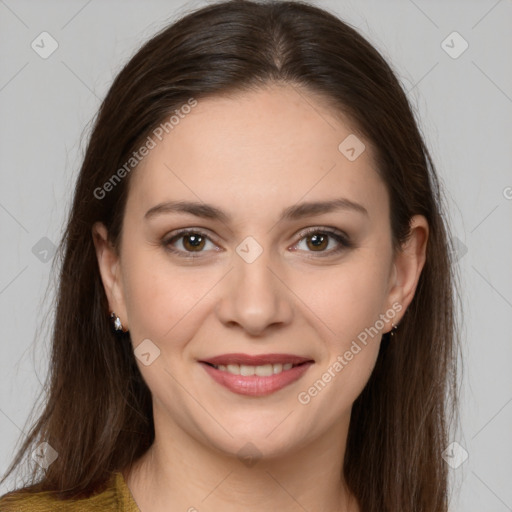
[323,229]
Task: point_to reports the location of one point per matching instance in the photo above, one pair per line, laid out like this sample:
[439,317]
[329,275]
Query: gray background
[465,109]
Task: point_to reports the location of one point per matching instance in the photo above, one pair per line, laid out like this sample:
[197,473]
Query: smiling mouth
[264,370]
[256,375]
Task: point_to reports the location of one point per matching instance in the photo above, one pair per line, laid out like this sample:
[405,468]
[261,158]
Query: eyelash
[338,236]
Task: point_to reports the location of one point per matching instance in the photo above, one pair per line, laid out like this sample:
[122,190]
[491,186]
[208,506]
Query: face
[287,254]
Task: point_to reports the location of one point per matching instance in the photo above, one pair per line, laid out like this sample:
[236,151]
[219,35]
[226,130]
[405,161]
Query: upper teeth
[264,370]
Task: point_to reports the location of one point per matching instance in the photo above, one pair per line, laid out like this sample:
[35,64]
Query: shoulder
[115,498]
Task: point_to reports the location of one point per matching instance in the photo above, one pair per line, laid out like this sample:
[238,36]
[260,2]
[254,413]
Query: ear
[407,266]
[110,270]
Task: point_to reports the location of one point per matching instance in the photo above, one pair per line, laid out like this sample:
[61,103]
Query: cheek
[348,298]
[348,304]
[164,301]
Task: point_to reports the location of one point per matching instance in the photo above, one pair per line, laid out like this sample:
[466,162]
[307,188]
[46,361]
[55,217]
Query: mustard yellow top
[115,498]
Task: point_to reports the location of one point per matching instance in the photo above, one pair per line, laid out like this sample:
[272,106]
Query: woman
[255,306]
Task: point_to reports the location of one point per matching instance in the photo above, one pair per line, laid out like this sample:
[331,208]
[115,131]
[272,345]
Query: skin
[252,155]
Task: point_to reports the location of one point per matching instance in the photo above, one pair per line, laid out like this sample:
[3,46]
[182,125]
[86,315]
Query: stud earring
[393,330]
[118,326]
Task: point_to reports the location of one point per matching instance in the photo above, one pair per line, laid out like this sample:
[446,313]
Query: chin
[257,440]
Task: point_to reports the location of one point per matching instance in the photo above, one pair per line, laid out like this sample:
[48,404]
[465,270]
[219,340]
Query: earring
[118,326]
[394,328]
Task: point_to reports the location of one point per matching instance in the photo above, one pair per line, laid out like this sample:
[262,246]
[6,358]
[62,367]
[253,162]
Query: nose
[255,297]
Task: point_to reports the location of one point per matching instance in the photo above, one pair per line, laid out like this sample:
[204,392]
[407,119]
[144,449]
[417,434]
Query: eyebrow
[294,212]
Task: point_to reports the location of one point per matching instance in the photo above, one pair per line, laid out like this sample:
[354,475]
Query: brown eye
[188,243]
[324,242]
[317,242]
[193,242]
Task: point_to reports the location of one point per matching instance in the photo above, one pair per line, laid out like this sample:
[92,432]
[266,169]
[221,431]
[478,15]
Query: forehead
[271,146]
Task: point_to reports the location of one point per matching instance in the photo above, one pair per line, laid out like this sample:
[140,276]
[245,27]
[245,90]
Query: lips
[257,375]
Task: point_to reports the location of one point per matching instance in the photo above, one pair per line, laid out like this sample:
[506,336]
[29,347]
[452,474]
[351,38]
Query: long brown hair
[98,411]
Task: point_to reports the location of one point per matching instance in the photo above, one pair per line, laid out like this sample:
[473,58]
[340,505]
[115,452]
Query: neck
[180,473]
